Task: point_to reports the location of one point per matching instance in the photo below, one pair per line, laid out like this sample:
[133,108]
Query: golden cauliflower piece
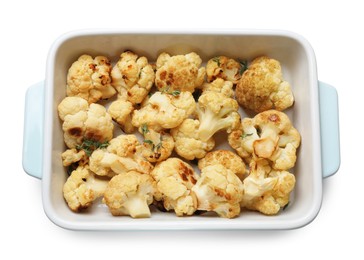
[122,155]
[121,111]
[133,77]
[267,190]
[219,85]
[219,190]
[268,135]
[90,79]
[164,111]
[175,179]
[82,188]
[228,159]
[180,72]
[84,122]
[130,193]
[73,155]
[187,141]
[224,68]
[158,146]
[262,87]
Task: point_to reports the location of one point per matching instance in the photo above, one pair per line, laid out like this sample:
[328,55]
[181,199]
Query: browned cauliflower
[219,190]
[158,146]
[84,122]
[228,159]
[73,155]
[219,85]
[121,110]
[187,141]
[90,79]
[164,110]
[180,72]
[133,77]
[82,188]
[130,193]
[123,154]
[262,87]
[267,190]
[175,179]
[224,68]
[268,135]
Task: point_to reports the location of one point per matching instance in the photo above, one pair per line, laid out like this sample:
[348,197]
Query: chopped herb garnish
[246,135]
[158,146]
[217,60]
[89,145]
[147,141]
[145,129]
[167,90]
[175,93]
[243,66]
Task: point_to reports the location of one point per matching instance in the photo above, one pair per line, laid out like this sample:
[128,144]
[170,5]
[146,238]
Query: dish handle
[330,137]
[33,130]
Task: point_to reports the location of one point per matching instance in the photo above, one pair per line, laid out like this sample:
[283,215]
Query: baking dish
[315,115]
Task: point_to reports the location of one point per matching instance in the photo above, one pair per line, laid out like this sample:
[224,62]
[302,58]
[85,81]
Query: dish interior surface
[299,68]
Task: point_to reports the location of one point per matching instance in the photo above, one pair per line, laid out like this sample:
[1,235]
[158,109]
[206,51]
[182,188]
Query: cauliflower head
[164,111]
[262,87]
[180,72]
[270,135]
[228,159]
[121,111]
[123,154]
[82,188]
[90,79]
[130,194]
[219,190]
[73,155]
[187,141]
[158,146]
[219,85]
[216,112]
[84,122]
[134,76]
[267,190]
[224,68]
[175,179]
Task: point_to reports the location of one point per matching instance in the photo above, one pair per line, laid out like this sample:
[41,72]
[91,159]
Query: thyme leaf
[90,145]
[217,60]
[246,135]
[243,66]
[145,129]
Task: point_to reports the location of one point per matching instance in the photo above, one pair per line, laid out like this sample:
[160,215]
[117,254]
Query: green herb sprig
[217,60]
[167,90]
[243,66]
[246,135]
[90,145]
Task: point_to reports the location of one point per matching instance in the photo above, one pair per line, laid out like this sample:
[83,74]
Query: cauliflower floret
[219,190]
[130,193]
[121,111]
[90,79]
[71,156]
[219,85]
[123,154]
[262,87]
[228,159]
[187,141]
[175,178]
[82,188]
[224,68]
[158,146]
[216,112]
[81,122]
[266,190]
[268,135]
[180,72]
[164,111]
[134,76]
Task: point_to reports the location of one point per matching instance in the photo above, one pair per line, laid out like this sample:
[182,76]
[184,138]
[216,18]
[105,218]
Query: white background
[335,31]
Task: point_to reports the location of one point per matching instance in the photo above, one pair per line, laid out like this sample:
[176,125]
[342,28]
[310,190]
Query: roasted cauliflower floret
[158,146]
[82,188]
[73,155]
[133,76]
[262,87]
[187,141]
[216,112]
[175,179]
[224,68]
[121,111]
[122,155]
[164,111]
[219,85]
[268,135]
[130,193]
[228,159]
[84,122]
[90,79]
[219,190]
[266,190]
[180,72]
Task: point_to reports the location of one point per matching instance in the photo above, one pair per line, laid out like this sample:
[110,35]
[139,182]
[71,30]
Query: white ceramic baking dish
[315,115]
